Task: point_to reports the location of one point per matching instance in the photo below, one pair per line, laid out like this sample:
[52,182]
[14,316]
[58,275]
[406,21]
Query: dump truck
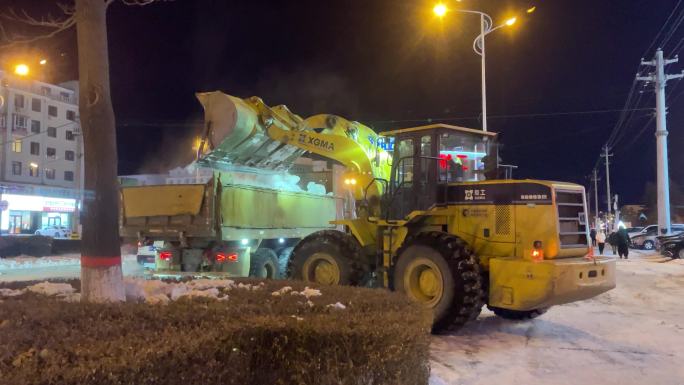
[223,226]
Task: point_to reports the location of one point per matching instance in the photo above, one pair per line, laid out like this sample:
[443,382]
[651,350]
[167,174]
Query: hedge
[253,337]
[34,245]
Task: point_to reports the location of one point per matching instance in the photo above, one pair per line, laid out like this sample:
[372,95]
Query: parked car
[646,238]
[632,231]
[671,246]
[54,232]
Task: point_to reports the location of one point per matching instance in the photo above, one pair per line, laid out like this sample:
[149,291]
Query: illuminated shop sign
[38,203]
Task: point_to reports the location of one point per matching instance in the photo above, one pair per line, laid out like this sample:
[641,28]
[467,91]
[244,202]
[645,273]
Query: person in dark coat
[613,241]
[592,234]
[623,242]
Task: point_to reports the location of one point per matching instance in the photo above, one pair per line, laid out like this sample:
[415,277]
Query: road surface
[632,335]
[64,271]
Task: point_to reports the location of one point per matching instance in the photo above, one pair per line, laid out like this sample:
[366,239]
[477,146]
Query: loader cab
[428,157]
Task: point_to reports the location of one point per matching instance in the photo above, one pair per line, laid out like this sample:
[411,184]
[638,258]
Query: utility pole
[660,79]
[595,179]
[607,156]
[483,27]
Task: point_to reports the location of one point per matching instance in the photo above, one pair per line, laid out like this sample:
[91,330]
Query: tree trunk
[101,276]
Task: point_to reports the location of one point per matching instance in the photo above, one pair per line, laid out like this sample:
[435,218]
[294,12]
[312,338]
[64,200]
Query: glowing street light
[486,27]
[33,165]
[21,69]
[440,10]
[42,62]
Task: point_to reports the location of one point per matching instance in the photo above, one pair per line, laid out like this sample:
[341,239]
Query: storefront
[27,213]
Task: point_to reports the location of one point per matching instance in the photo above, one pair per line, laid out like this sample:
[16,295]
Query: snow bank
[159,292]
[49,288]
[28,262]
[62,291]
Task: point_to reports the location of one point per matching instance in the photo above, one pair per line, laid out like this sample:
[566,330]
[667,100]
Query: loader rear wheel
[439,271]
[264,264]
[517,315]
[327,257]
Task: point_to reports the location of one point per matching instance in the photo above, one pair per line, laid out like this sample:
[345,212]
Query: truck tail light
[165,255]
[223,257]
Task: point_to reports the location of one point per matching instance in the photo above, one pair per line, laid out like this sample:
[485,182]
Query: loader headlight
[537,251]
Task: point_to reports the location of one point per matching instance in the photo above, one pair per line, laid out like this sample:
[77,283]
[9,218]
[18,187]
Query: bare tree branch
[11,40]
[56,25]
[140,2]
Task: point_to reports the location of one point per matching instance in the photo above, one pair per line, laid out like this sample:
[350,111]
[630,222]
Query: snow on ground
[631,335]
[68,266]
[28,262]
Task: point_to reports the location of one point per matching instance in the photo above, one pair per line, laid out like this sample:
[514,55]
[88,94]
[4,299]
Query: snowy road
[628,336]
[34,269]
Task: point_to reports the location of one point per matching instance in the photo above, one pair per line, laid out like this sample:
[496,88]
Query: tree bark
[101,275]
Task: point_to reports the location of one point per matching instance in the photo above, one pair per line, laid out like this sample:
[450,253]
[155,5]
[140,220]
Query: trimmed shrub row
[254,337]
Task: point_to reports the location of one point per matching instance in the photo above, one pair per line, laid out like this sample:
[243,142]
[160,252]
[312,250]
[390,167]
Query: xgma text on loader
[430,219]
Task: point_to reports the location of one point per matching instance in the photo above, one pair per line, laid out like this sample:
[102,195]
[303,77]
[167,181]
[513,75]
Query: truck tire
[440,271]
[264,264]
[284,260]
[327,257]
[517,315]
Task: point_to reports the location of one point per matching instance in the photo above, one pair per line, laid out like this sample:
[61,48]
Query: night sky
[391,64]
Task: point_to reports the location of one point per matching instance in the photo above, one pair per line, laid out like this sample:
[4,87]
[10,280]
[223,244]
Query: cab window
[462,156]
[405,159]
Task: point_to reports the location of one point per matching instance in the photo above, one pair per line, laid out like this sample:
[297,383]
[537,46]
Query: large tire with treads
[264,264]
[440,271]
[328,257]
[517,315]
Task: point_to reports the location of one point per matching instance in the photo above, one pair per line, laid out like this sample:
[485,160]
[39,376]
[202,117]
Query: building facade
[41,157]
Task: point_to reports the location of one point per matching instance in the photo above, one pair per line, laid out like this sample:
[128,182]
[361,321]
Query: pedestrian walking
[592,234]
[623,242]
[613,241]
[601,241]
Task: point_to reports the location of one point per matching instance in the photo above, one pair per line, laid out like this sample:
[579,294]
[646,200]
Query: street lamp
[486,27]
[21,69]
[440,10]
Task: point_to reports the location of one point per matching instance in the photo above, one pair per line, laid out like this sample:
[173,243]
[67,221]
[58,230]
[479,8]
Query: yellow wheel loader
[426,220]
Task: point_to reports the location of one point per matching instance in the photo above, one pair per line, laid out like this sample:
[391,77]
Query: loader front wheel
[517,315]
[439,271]
[326,257]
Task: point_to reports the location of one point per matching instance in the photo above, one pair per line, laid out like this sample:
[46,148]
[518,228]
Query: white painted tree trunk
[102,284]
[101,276]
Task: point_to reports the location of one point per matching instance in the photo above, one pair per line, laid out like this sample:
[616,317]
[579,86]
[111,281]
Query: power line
[655,39]
[673,29]
[511,116]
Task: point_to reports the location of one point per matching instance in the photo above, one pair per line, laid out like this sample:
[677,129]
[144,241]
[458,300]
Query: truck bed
[234,211]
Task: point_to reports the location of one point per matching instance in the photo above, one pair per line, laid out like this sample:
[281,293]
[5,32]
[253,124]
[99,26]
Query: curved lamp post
[486,27]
